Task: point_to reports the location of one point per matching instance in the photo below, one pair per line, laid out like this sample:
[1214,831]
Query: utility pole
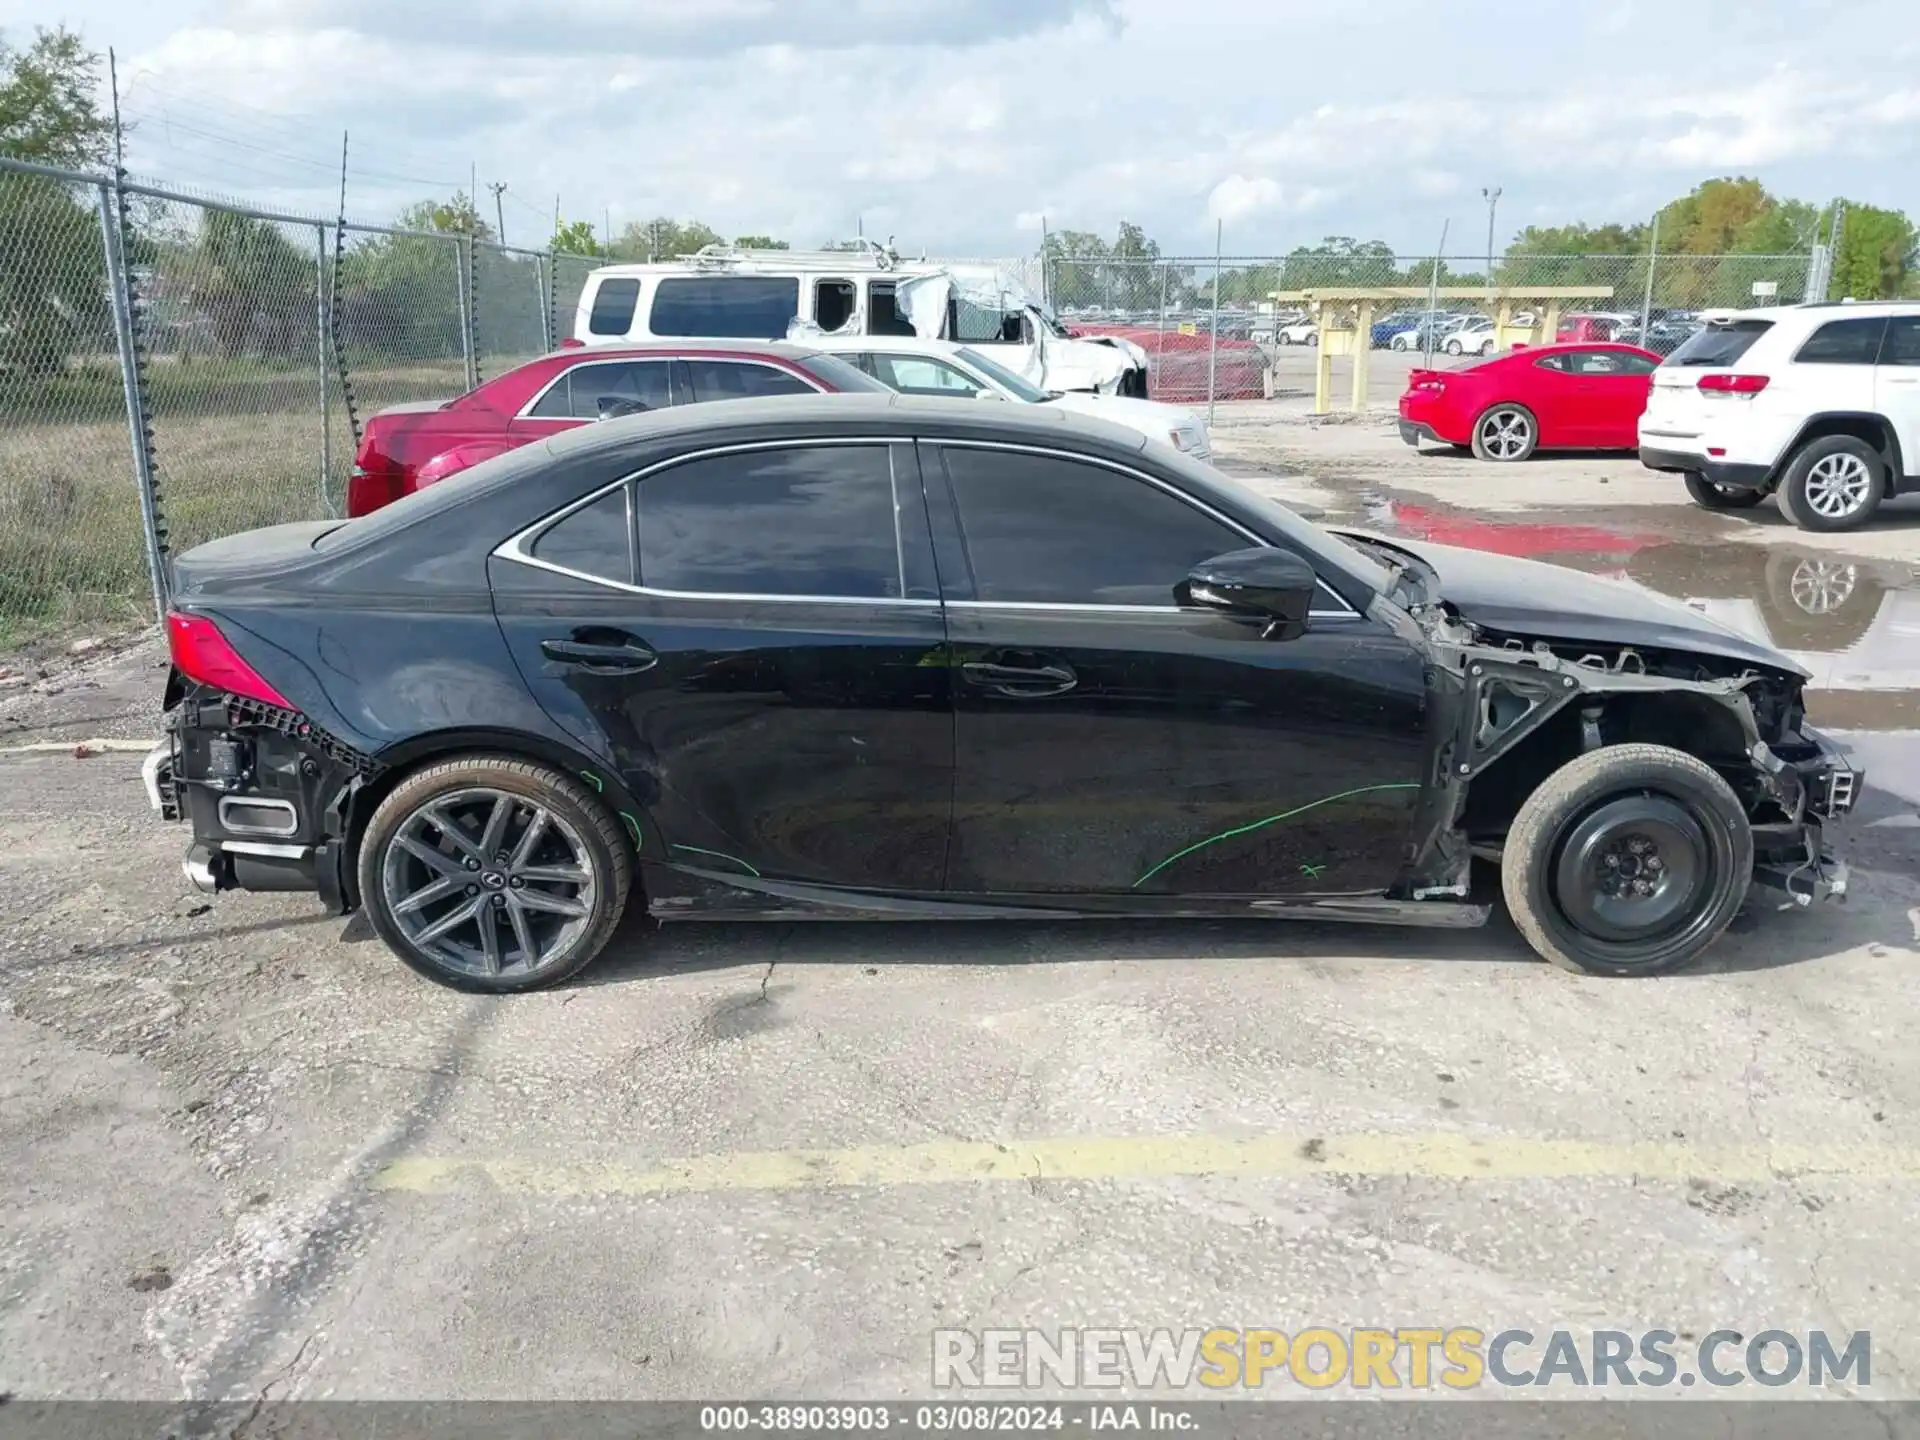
[1490,194]
[499,188]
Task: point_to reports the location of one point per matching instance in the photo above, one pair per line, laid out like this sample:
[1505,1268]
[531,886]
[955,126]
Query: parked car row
[1816,404]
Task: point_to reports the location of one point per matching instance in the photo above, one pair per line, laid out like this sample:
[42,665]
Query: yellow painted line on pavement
[67,747]
[950,1162]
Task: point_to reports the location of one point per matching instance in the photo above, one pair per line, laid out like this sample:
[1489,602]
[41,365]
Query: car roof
[802,416]
[686,346]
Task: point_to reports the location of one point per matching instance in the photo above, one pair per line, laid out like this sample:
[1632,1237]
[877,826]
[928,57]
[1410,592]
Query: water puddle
[1853,623]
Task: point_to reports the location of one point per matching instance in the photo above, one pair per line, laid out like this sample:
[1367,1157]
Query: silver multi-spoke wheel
[1505,433]
[489,884]
[1838,485]
[1820,587]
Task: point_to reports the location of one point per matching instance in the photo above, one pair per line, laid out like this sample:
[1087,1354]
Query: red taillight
[1722,384]
[200,652]
[368,490]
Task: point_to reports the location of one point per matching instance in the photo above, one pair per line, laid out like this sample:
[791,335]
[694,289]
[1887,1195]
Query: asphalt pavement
[245,1153]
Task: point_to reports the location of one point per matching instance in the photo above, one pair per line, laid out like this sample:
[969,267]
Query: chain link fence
[1199,354]
[174,369]
[72,550]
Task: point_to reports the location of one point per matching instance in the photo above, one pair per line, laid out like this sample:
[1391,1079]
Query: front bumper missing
[156,774]
[1800,884]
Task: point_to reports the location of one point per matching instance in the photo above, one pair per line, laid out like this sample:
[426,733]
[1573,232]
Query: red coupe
[408,447]
[1553,397]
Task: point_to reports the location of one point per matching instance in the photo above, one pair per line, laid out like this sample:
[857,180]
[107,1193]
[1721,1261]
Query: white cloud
[966,121]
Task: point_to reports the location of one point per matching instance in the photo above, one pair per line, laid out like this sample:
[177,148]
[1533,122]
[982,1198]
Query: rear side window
[816,521]
[725,307]
[594,540]
[741,380]
[613,305]
[1843,342]
[1902,345]
[1719,344]
[584,390]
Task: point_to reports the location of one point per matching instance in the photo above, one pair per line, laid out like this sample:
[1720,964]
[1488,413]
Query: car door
[752,636]
[1546,387]
[583,393]
[1896,386]
[1608,393]
[1108,741]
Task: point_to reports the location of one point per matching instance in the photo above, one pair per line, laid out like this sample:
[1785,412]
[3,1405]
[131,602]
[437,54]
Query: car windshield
[1721,342]
[1004,378]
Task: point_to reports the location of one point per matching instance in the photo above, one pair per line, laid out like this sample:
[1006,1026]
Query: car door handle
[623,657]
[1903,380]
[1020,680]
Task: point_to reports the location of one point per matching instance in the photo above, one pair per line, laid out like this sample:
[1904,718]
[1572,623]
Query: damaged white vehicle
[732,294]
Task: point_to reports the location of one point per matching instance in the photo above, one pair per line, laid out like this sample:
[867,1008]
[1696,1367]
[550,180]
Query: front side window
[1843,342]
[741,380]
[613,305]
[884,315]
[1039,529]
[980,324]
[813,521]
[921,375]
[726,307]
[586,392]
[833,303]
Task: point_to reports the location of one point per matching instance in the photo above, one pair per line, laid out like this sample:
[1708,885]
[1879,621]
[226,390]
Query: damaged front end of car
[1507,710]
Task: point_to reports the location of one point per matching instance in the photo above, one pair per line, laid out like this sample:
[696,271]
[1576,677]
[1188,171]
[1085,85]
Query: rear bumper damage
[268,797]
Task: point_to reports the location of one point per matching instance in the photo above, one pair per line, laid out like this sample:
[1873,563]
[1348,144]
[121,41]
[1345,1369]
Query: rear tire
[1605,825]
[1505,434]
[492,874]
[1833,483]
[1314,338]
[1710,496]
[1454,347]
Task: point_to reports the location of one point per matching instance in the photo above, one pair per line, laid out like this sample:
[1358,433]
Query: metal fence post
[135,398]
[1653,259]
[320,352]
[1213,335]
[462,257]
[542,289]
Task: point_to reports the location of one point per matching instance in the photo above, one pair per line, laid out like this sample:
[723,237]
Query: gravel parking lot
[244,1152]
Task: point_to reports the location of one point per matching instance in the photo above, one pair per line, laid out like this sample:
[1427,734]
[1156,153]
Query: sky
[962,126]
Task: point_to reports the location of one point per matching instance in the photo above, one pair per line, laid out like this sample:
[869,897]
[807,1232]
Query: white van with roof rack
[723,292]
[1817,404]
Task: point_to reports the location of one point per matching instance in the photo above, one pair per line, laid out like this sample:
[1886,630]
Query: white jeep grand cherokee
[1819,404]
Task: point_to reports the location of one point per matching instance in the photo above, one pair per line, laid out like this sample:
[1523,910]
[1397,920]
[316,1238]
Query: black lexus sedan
[874,656]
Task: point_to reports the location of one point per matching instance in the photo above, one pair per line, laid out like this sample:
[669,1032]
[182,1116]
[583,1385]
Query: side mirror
[612,406]
[985,394]
[1266,584]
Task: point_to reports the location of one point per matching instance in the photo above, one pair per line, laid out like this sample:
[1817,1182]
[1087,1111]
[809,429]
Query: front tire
[1629,860]
[1834,483]
[1454,347]
[1314,338]
[493,874]
[1710,496]
[1505,434]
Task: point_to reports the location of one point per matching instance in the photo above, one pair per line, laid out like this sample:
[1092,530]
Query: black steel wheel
[1628,861]
[494,874]
[1721,497]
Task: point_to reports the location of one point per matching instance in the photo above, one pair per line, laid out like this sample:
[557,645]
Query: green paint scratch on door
[633,827]
[1270,820]
[594,780]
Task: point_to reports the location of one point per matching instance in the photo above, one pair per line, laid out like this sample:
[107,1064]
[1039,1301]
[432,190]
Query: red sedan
[1554,397]
[408,447]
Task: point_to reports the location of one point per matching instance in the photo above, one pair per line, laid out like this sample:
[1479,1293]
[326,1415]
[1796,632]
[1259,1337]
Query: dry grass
[234,452]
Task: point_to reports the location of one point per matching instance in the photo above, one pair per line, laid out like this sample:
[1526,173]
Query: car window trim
[1175,491]
[567,373]
[518,547]
[725,359]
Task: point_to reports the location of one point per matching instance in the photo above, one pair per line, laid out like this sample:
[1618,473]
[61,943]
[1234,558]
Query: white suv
[1819,404]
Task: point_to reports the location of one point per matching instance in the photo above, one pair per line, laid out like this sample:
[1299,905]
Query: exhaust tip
[205,870]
